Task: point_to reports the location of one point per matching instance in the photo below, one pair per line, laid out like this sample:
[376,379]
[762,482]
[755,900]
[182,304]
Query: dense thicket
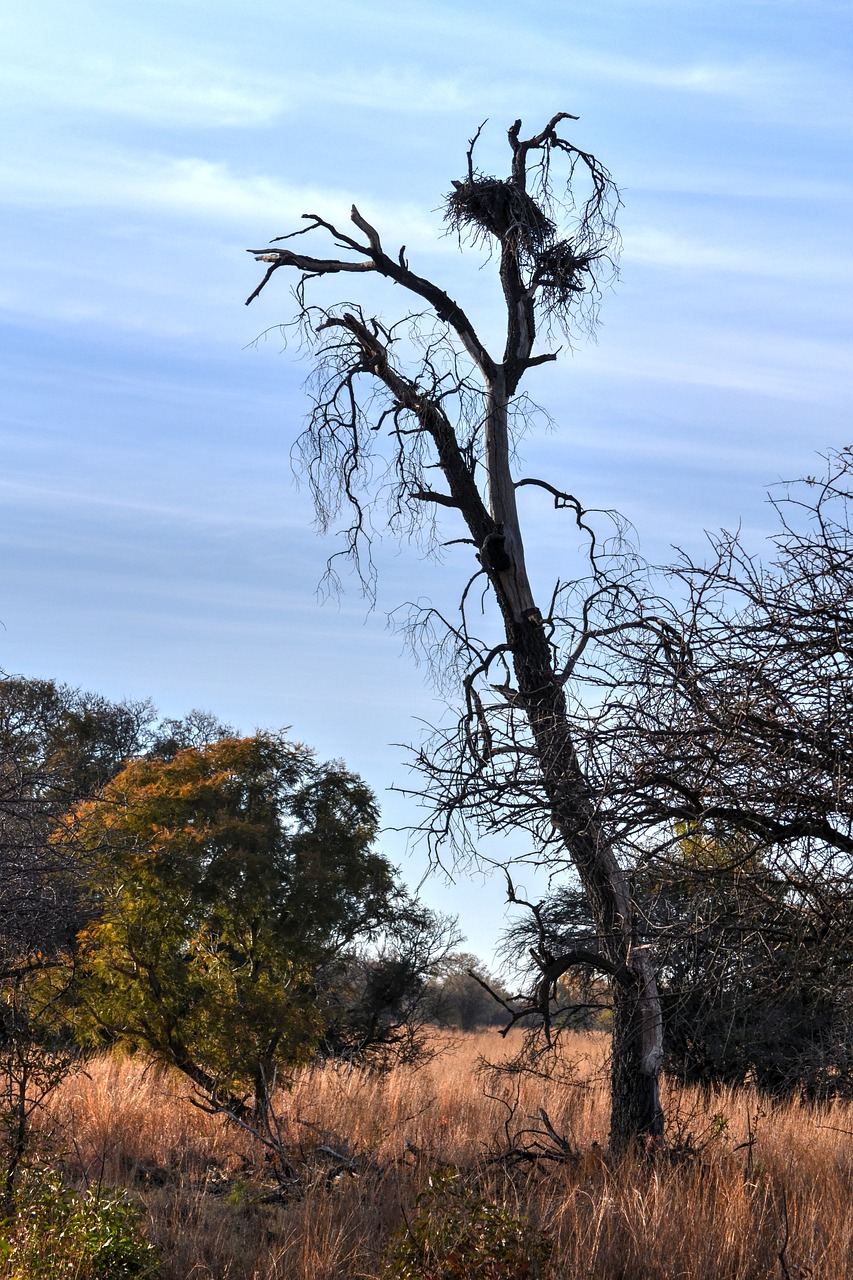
[724,750]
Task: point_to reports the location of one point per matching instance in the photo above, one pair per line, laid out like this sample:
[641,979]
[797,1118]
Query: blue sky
[153,543]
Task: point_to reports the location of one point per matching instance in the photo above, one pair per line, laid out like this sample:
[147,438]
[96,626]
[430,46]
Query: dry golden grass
[716,1213]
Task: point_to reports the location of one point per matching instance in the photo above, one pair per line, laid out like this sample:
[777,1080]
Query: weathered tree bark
[637,1022]
[534,266]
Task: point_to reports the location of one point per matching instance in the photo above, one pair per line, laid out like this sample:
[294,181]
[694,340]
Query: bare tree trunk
[637,1049]
[637,1045]
[635,1109]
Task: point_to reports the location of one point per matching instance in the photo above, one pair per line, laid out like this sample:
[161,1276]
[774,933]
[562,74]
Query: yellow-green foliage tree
[222,883]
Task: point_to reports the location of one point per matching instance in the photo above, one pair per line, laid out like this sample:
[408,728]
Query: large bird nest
[563,273]
[482,207]
[493,207]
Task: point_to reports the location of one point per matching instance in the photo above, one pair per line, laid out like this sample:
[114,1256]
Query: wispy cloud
[774,90]
[764,363]
[721,180]
[20,493]
[192,93]
[205,190]
[659,248]
[219,90]
[721,78]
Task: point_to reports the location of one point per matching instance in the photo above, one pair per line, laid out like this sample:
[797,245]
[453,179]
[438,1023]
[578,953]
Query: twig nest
[561,269]
[499,208]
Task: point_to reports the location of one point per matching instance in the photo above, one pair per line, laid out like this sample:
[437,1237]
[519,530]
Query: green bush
[61,1234]
[457,1235]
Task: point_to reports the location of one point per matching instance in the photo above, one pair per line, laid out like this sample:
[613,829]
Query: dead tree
[425,399]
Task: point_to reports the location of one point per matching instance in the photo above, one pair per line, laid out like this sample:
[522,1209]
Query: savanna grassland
[746,1189]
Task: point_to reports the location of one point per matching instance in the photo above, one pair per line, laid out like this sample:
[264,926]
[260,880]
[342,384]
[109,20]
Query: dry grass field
[747,1190]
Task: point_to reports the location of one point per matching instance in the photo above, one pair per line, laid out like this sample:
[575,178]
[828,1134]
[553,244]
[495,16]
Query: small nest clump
[496,207]
[561,268]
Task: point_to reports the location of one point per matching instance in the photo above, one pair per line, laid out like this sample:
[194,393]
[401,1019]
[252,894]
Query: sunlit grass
[714,1209]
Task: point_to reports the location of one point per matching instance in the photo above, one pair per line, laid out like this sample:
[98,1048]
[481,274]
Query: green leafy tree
[224,882]
[380,997]
[65,742]
[58,746]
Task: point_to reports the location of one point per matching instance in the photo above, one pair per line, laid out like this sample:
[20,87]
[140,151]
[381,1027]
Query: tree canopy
[221,883]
